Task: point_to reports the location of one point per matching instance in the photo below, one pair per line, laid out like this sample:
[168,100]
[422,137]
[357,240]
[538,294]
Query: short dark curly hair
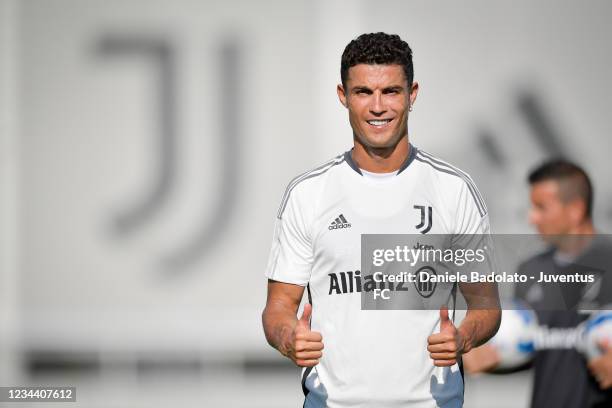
[377,48]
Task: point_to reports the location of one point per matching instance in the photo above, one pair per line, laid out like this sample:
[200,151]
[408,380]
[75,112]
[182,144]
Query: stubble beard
[380,151]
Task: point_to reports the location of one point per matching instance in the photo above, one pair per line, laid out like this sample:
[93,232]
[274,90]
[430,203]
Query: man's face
[548,213]
[378,100]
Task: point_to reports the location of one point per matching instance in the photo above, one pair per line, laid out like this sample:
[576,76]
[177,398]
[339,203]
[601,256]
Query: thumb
[445,323]
[306,313]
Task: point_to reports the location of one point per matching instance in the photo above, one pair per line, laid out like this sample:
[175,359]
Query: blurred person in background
[561,197]
[361,358]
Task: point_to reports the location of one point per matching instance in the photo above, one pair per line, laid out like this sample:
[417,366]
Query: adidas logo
[339,222]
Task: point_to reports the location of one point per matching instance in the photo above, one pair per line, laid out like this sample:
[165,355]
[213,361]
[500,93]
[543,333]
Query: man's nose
[377,107]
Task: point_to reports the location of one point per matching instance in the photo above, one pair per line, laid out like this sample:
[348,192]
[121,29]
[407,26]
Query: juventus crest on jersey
[372,357]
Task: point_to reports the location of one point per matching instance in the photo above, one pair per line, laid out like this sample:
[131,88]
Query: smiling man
[383,185]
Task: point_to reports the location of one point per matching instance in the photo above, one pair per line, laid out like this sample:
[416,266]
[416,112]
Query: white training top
[372,358]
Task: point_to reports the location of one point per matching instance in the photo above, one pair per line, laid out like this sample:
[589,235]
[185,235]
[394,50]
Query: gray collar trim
[348,157]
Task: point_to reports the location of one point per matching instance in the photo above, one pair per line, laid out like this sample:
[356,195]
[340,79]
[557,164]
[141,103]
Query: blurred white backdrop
[145,146]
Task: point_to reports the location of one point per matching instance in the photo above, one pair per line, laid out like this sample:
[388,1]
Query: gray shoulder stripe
[464,174]
[469,179]
[299,178]
[458,170]
[481,210]
[306,176]
[314,173]
[327,163]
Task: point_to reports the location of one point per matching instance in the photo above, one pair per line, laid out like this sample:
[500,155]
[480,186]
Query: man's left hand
[446,347]
[601,367]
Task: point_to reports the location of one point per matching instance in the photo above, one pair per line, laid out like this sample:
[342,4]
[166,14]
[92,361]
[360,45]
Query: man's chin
[554,239]
[381,144]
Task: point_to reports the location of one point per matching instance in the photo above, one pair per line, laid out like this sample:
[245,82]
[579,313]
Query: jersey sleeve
[471,215]
[472,230]
[291,256]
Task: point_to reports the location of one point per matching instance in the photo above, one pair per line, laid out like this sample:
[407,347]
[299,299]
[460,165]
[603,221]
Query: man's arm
[481,359]
[481,322]
[483,316]
[290,336]
[486,358]
[601,367]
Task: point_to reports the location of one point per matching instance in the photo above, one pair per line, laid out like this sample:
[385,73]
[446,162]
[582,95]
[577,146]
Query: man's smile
[379,123]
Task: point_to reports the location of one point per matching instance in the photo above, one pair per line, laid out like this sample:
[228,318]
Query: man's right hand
[306,345]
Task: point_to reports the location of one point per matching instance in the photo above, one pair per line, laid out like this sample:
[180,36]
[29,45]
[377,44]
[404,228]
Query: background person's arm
[291,336]
[601,367]
[482,359]
[486,358]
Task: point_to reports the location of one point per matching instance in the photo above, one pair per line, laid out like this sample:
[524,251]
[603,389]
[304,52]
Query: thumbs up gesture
[306,345]
[445,347]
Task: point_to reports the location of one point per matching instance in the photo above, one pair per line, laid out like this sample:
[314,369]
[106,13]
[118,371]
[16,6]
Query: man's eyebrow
[394,88]
[360,88]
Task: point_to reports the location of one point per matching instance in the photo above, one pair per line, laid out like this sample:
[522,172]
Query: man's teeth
[379,122]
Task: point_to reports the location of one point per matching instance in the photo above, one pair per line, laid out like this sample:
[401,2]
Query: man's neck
[384,160]
[577,239]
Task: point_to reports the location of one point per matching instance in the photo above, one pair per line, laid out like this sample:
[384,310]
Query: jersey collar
[348,157]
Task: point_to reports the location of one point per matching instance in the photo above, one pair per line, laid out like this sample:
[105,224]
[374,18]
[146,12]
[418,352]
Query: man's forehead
[547,187]
[376,75]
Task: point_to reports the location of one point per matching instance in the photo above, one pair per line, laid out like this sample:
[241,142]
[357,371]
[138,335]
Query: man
[561,210]
[364,358]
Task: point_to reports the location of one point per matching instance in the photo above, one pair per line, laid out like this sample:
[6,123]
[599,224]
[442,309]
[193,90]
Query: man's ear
[342,95]
[577,210]
[414,90]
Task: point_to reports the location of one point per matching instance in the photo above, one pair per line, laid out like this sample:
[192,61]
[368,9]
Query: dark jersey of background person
[561,376]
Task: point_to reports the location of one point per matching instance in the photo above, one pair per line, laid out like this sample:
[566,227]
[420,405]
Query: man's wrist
[285,339]
[466,342]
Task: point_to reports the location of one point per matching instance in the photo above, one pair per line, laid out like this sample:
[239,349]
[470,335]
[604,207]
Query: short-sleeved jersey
[372,358]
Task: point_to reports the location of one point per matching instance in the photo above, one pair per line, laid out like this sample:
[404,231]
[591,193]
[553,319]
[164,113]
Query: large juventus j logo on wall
[426,218]
[161,55]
